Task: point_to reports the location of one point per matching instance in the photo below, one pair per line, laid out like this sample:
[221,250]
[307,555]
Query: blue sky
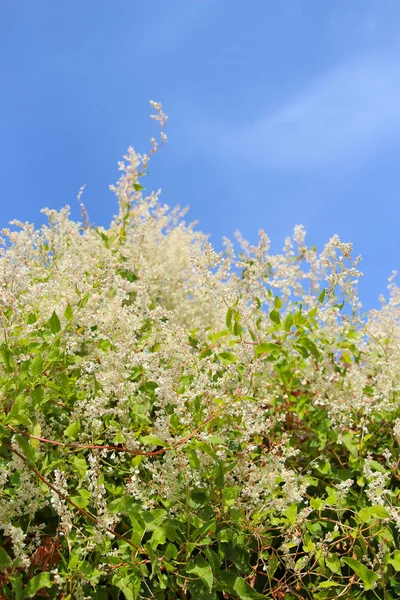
[280,112]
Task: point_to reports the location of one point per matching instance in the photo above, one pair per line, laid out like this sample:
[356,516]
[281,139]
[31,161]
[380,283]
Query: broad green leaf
[220,475]
[322,296]
[128,583]
[237,328]
[68,313]
[350,443]
[26,447]
[80,466]
[158,537]
[333,563]
[84,300]
[237,585]
[291,513]
[36,366]
[38,397]
[395,561]
[7,357]
[309,344]
[213,559]
[171,551]
[90,571]
[202,569]
[228,319]
[332,497]
[73,430]
[227,357]
[275,316]
[128,275]
[79,501]
[373,512]
[19,414]
[36,431]
[215,439]
[328,584]
[367,576]
[194,460]
[288,322]
[277,302]
[153,440]
[38,582]
[54,323]
[374,464]
[5,560]
[302,350]
[266,348]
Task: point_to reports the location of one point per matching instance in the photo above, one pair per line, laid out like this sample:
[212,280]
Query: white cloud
[344,116]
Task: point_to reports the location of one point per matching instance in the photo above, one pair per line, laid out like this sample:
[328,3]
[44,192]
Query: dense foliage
[177,423]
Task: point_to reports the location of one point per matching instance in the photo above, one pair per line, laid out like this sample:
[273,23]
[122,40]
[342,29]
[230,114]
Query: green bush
[178,423]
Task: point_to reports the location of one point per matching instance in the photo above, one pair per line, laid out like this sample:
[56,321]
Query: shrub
[181,423]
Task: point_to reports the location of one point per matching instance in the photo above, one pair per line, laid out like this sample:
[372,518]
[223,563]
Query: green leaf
[38,397]
[5,560]
[138,187]
[373,512]
[350,443]
[54,323]
[328,584]
[291,513]
[237,328]
[228,319]
[213,559]
[26,448]
[220,475]
[128,583]
[322,296]
[332,497]
[266,348]
[275,316]
[309,344]
[215,439]
[395,561]
[227,357]
[202,569]
[36,366]
[128,275]
[35,584]
[237,585]
[333,563]
[288,322]
[19,414]
[277,302]
[374,464]
[194,460]
[80,501]
[317,503]
[84,300]
[158,537]
[152,440]
[73,430]
[7,357]
[68,312]
[80,466]
[367,576]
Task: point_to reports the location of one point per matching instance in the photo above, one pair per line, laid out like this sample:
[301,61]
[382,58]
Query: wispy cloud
[344,116]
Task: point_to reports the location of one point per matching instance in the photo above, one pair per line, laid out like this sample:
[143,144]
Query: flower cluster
[181,422]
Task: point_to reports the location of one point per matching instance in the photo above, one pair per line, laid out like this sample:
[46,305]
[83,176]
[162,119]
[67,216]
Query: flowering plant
[181,423]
